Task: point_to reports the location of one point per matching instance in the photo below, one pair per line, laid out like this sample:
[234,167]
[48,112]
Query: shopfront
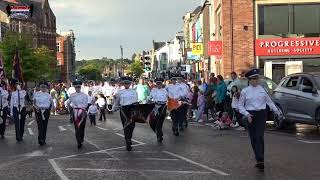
[287,38]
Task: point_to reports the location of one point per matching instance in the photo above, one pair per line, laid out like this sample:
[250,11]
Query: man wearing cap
[3,108]
[174,92]
[159,96]
[125,98]
[184,91]
[18,109]
[79,103]
[42,102]
[252,104]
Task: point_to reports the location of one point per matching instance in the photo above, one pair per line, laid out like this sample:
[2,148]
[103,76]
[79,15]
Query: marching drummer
[174,94]
[79,102]
[3,108]
[125,98]
[184,91]
[18,109]
[159,95]
[42,104]
[252,104]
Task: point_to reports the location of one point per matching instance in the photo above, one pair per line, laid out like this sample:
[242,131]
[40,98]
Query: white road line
[110,149]
[30,131]
[115,129]
[131,139]
[101,128]
[57,169]
[133,170]
[29,124]
[125,159]
[93,144]
[309,142]
[198,164]
[61,128]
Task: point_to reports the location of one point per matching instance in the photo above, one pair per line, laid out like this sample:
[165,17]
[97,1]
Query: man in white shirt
[235,82]
[4,110]
[184,89]
[79,102]
[42,103]
[159,95]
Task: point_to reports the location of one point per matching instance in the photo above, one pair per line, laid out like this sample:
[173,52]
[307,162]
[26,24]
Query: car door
[306,99]
[288,96]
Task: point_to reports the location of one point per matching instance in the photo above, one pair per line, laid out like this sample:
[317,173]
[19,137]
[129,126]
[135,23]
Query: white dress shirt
[78,100]
[101,102]
[255,99]
[174,91]
[159,95]
[127,97]
[184,89]
[93,109]
[90,99]
[71,90]
[4,97]
[14,101]
[42,100]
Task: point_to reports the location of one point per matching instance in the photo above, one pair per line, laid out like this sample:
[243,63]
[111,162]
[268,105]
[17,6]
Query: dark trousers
[177,117]
[160,119]
[79,131]
[92,118]
[5,111]
[240,119]
[256,131]
[19,123]
[42,125]
[220,108]
[125,115]
[102,113]
[71,114]
[183,116]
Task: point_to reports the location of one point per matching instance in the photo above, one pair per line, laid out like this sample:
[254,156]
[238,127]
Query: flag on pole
[2,74]
[17,70]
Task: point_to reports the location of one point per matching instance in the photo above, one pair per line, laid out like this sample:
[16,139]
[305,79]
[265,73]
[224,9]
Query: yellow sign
[197,48]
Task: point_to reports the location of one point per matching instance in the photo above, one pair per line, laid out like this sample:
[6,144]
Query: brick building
[66,56]
[42,25]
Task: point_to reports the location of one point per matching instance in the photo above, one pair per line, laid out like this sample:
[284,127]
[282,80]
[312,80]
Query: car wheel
[279,122]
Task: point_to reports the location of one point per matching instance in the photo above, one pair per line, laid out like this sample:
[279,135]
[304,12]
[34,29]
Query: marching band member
[174,95]
[79,102]
[252,104]
[18,109]
[42,103]
[184,89]
[125,98]
[159,95]
[3,108]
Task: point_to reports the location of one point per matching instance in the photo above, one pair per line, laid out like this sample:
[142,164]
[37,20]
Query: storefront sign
[287,46]
[191,56]
[197,48]
[215,48]
[19,12]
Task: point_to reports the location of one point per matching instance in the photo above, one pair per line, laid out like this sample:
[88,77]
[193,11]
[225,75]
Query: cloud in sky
[101,26]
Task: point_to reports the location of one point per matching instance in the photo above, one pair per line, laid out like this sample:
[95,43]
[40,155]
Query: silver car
[298,97]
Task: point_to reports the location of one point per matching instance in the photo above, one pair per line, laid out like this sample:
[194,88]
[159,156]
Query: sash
[79,115]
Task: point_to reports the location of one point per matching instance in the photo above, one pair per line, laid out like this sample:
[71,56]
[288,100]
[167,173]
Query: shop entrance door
[278,72]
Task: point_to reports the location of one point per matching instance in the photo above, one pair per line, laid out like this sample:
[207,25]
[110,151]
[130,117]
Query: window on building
[59,62]
[163,57]
[289,20]
[58,47]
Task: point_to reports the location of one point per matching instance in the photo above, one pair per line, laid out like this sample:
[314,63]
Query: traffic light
[147,63]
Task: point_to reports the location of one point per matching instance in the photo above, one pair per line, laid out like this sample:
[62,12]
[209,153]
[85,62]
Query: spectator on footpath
[237,117]
[142,91]
[224,122]
[194,100]
[209,99]
[201,103]
[54,96]
[221,95]
[235,82]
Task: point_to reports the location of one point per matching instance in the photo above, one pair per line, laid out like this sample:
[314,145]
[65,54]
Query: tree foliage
[136,69]
[90,72]
[35,63]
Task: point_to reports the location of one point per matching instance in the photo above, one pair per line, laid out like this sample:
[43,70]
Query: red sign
[287,46]
[215,48]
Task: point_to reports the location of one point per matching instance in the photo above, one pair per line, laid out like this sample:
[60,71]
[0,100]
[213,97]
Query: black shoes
[2,136]
[260,166]
[160,139]
[128,145]
[79,145]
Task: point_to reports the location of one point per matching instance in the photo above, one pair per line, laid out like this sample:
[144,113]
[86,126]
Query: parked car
[298,97]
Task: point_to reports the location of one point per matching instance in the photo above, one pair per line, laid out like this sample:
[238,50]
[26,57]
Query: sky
[101,26]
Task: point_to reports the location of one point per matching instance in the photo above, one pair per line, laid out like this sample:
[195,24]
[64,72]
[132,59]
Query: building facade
[41,26]
[66,56]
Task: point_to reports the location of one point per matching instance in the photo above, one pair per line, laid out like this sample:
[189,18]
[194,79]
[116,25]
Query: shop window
[306,19]
[292,83]
[273,20]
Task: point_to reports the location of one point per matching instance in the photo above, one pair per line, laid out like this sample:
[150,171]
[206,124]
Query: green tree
[45,61]
[136,69]
[90,72]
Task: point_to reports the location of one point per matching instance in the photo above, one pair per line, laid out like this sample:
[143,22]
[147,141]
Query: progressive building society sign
[287,46]
[19,12]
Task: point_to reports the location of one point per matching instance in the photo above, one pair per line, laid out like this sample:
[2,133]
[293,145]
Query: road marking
[115,148]
[198,164]
[57,169]
[61,128]
[133,170]
[30,123]
[309,142]
[93,144]
[115,129]
[30,131]
[126,159]
[131,139]
[101,128]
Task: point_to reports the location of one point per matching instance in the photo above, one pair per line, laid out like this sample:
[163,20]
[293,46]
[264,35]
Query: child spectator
[236,114]
[201,103]
[224,122]
[93,110]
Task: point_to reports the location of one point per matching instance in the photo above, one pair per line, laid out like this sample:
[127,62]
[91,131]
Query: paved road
[199,153]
